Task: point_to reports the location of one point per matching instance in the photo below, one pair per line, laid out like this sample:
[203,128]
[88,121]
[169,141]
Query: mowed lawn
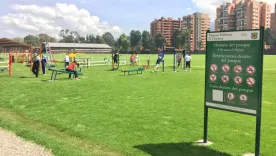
[106,113]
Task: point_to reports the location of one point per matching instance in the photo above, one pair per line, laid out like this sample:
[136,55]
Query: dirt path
[12,145]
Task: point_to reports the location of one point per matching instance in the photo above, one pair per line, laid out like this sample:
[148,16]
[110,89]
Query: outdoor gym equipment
[178,55]
[45,49]
[8,66]
[147,66]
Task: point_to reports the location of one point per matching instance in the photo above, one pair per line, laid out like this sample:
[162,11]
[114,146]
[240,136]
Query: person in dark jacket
[36,65]
[43,64]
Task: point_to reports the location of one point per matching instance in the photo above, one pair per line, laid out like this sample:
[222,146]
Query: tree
[177,39]
[99,39]
[146,40]
[199,45]
[135,38]
[46,38]
[123,43]
[109,39]
[160,40]
[269,38]
[31,39]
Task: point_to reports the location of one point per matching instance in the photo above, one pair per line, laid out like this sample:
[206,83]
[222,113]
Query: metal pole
[259,109]
[205,135]
[174,61]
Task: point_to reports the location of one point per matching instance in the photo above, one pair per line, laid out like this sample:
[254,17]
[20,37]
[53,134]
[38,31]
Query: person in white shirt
[67,60]
[136,59]
[188,60]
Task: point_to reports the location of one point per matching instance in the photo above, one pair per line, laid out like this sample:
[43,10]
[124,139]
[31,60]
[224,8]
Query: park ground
[106,113]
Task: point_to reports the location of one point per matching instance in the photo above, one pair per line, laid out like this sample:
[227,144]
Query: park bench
[60,71]
[139,70]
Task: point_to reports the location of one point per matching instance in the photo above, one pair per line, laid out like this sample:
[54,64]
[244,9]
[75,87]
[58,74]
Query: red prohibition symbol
[251,70]
[213,77]
[250,81]
[214,67]
[238,80]
[225,79]
[238,69]
[225,68]
[230,96]
[243,98]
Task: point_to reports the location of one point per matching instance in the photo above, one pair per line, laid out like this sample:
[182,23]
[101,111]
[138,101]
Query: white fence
[90,62]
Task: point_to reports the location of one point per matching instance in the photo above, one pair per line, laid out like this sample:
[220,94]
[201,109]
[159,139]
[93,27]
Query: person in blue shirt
[159,60]
[43,64]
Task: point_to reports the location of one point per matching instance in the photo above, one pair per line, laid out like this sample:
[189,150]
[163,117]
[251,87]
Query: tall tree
[31,39]
[99,39]
[146,40]
[109,39]
[160,40]
[46,38]
[123,43]
[135,38]
[269,38]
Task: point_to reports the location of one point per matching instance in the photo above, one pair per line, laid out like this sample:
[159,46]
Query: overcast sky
[19,18]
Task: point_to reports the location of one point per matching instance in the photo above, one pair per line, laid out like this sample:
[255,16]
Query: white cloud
[35,19]
[209,6]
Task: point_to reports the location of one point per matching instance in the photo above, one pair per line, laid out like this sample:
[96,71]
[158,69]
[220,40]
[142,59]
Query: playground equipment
[45,49]
[147,66]
[7,65]
[116,66]
[179,55]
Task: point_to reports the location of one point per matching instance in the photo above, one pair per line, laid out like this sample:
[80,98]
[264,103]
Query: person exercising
[72,68]
[159,60]
[188,60]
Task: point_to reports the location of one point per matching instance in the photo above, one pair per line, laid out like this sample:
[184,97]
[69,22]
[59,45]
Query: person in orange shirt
[71,68]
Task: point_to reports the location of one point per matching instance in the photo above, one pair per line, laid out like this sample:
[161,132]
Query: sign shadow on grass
[178,149]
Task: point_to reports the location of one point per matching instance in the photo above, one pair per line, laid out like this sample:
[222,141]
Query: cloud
[209,6]
[35,19]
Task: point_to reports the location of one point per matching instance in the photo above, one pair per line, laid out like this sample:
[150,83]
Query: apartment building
[242,15]
[165,26]
[273,22]
[197,24]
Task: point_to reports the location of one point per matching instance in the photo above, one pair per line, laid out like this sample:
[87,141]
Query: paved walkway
[12,145]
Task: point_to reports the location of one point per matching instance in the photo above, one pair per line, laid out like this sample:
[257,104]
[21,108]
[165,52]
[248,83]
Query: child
[71,68]
[188,60]
[132,60]
[136,59]
[44,63]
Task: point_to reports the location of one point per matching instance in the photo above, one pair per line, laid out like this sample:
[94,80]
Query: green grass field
[106,113]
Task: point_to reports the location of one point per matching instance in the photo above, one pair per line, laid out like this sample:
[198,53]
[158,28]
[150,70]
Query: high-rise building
[165,27]
[273,22]
[197,24]
[242,15]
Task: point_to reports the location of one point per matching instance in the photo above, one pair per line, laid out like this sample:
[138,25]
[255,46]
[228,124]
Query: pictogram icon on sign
[214,67]
[238,69]
[251,70]
[225,79]
[226,68]
[230,96]
[243,98]
[251,81]
[238,80]
[213,77]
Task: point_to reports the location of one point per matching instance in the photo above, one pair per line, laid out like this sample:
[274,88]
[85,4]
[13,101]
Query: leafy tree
[109,39]
[269,38]
[135,38]
[123,43]
[146,40]
[31,39]
[99,39]
[160,40]
[46,38]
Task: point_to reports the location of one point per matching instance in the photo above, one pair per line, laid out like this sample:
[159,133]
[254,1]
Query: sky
[19,18]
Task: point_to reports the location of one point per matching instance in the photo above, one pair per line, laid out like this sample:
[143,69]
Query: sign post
[233,75]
